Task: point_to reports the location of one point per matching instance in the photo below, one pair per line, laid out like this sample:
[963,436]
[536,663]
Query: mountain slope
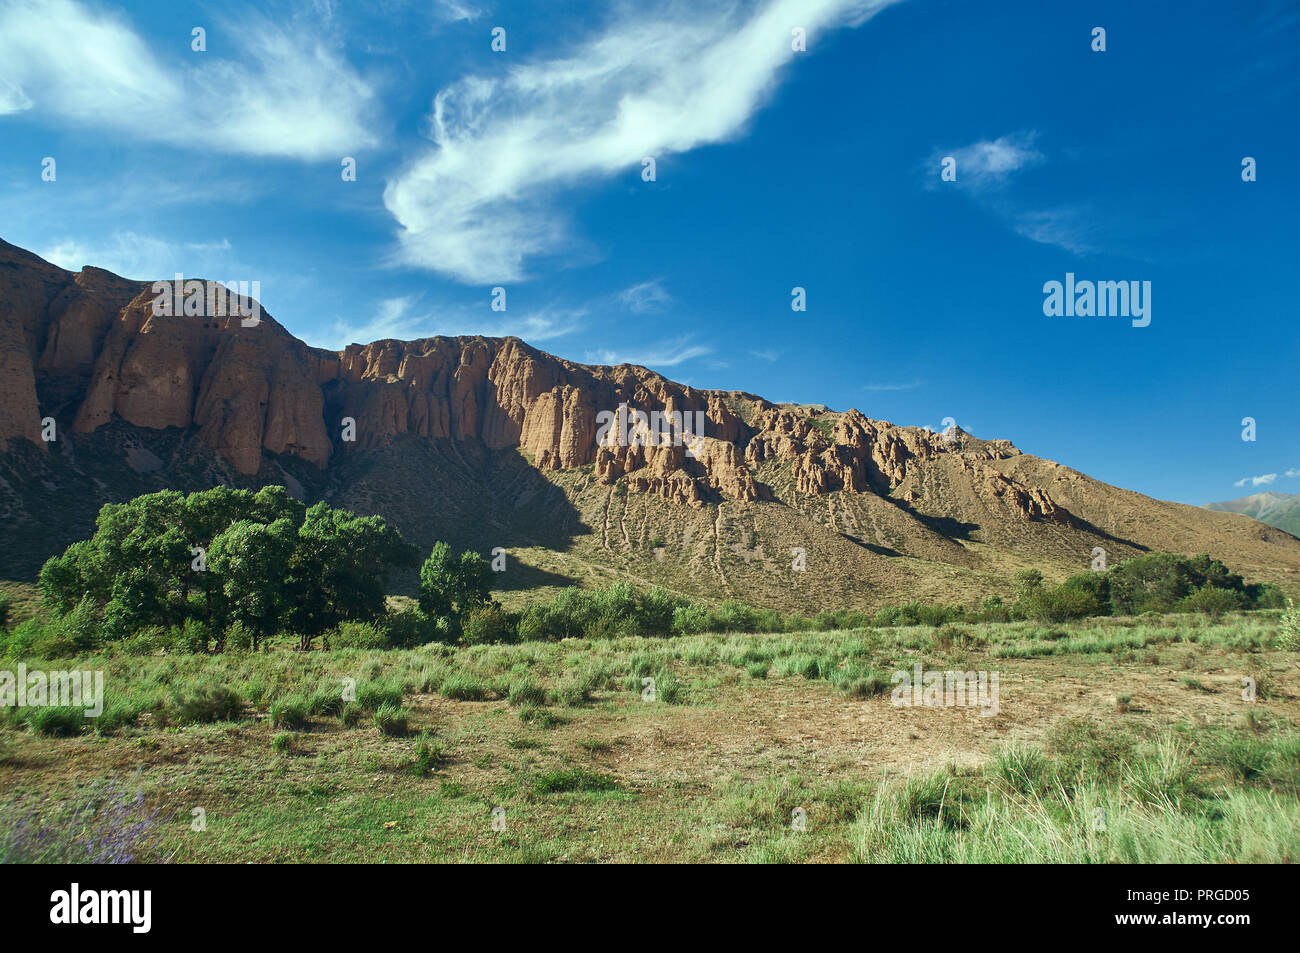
[489,442]
[1276,509]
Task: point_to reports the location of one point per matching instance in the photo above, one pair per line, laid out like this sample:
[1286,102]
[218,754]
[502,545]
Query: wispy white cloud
[648,297]
[482,204]
[771,355]
[403,318]
[660,354]
[452,11]
[985,172]
[992,161]
[146,257]
[908,385]
[1263,480]
[282,90]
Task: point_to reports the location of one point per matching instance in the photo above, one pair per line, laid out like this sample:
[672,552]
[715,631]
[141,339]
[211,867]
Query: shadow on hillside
[943,525]
[520,577]
[430,490]
[871,547]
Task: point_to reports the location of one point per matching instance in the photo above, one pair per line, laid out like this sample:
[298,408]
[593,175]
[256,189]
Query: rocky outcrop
[88,348]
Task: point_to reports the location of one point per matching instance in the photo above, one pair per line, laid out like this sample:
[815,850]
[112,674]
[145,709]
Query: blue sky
[775,168]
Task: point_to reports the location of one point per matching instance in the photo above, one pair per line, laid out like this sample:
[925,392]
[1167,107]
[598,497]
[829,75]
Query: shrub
[658,608]
[1057,605]
[690,619]
[409,627]
[1289,639]
[733,616]
[1213,602]
[535,625]
[489,624]
[357,635]
[237,636]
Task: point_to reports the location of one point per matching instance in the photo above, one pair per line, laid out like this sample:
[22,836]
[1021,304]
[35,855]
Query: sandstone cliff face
[87,348]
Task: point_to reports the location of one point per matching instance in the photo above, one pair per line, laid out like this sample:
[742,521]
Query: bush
[357,635]
[690,619]
[534,624]
[489,624]
[1289,640]
[1213,602]
[1057,605]
[409,627]
[733,616]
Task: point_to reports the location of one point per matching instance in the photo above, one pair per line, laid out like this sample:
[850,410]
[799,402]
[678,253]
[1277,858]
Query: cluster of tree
[226,566]
[1159,582]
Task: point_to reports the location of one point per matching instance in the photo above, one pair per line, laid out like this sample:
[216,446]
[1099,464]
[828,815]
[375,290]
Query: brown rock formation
[91,348]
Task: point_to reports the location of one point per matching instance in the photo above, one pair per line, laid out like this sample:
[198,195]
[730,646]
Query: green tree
[259,561]
[453,586]
[250,559]
[339,570]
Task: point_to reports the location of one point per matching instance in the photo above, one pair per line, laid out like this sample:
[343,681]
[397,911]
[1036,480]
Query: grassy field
[1114,740]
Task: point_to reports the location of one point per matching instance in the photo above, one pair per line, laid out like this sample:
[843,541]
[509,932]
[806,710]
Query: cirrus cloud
[482,203]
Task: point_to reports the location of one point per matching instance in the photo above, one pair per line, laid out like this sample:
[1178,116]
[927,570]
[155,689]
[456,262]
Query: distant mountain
[1276,509]
[488,442]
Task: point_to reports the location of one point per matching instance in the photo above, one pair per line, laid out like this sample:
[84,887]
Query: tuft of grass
[429,754]
[1021,769]
[464,687]
[526,692]
[351,715]
[391,720]
[56,722]
[289,713]
[573,779]
[283,742]
[209,704]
